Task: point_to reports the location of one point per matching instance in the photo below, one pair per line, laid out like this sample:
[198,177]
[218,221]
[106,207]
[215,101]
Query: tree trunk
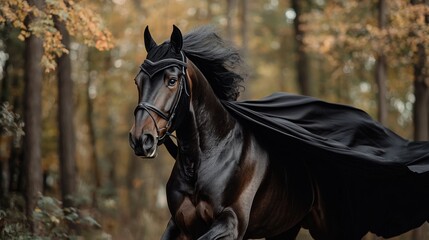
[301,57]
[421,90]
[33,75]
[380,78]
[244,27]
[209,10]
[16,165]
[421,104]
[230,6]
[12,92]
[65,122]
[92,135]
[5,85]
[380,71]
[5,142]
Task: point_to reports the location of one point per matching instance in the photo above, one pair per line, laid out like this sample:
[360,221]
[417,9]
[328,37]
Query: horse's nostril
[148,141]
[144,146]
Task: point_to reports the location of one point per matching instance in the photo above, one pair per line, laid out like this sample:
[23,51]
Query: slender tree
[421,104]
[209,9]
[16,168]
[380,70]
[421,88]
[91,127]
[301,57]
[5,143]
[230,6]
[65,121]
[33,75]
[5,84]
[245,27]
[421,92]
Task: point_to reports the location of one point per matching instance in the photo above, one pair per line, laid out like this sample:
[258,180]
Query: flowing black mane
[219,61]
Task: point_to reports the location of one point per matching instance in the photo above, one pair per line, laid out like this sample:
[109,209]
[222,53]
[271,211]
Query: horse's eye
[172,82]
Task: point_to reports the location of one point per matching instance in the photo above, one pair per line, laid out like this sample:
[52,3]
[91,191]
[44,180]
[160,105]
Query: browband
[152,68]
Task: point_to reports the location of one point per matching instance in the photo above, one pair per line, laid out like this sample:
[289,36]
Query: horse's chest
[194,219]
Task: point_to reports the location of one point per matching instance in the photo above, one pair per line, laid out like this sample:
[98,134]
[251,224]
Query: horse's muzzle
[144,146]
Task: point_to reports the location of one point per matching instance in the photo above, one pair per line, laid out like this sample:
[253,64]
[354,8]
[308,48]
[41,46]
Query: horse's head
[163,91]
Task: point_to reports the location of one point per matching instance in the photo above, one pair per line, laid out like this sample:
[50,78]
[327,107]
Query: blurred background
[67,95]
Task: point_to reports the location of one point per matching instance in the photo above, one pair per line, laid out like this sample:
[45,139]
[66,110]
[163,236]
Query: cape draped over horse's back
[382,178]
[347,135]
[344,133]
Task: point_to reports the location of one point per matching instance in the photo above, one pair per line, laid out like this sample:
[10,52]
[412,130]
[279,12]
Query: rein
[152,68]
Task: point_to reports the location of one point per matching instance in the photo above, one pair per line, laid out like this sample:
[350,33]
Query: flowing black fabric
[369,174]
[343,132]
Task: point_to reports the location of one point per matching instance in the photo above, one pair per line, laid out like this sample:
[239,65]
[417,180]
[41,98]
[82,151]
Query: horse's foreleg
[171,232]
[224,227]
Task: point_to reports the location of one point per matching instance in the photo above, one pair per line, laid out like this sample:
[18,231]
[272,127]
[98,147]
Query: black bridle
[151,68]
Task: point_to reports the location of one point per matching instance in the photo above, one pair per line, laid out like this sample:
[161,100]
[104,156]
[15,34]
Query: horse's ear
[176,39]
[149,43]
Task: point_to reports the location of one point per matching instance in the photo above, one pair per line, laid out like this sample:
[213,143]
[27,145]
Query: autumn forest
[67,95]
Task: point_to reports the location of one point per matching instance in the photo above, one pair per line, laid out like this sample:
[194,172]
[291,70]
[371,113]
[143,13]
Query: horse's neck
[207,122]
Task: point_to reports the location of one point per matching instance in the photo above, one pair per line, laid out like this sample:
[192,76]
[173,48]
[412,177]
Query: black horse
[267,168]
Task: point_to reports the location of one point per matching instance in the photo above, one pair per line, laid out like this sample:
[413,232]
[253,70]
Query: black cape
[370,175]
[343,132]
